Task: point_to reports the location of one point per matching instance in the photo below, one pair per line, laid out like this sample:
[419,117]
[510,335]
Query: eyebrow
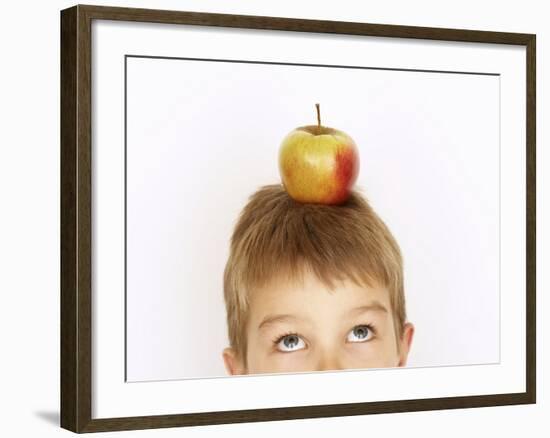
[272,319]
[375,306]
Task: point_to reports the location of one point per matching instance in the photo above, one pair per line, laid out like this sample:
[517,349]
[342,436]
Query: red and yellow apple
[318,164]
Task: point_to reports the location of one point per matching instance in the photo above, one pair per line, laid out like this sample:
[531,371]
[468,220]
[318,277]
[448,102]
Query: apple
[318,164]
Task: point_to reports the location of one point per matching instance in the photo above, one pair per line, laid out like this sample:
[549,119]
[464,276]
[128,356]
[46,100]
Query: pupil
[361,332]
[291,341]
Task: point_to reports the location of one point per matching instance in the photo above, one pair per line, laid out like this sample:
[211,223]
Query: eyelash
[279,338]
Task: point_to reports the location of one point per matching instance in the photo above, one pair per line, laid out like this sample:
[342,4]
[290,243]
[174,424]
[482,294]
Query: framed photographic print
[268,218]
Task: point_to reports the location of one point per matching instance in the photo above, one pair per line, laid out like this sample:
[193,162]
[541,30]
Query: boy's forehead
[311,303]
[283,289]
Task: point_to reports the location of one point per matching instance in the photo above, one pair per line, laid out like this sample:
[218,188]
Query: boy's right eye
[289,343]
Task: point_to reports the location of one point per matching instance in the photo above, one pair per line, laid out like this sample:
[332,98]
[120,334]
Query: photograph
[308,218]
[325,218]
[271,219]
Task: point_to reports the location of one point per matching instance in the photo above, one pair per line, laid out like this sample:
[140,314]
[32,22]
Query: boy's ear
[405,343]
[233,364]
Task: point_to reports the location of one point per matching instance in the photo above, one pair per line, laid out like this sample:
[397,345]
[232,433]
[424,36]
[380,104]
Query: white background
[203,136]
[30,222]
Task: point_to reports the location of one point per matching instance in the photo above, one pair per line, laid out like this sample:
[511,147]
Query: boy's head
[312,287]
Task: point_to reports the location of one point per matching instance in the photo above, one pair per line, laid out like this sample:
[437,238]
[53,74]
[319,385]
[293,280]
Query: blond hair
[276,235]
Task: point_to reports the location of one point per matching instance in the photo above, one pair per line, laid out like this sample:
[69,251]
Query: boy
[311,287]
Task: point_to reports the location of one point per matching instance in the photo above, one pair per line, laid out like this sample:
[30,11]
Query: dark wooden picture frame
[76,217]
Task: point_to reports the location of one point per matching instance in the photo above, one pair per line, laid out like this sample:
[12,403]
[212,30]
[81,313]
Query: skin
[324,330]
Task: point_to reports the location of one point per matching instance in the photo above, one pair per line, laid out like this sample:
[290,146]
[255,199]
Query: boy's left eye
[360,333]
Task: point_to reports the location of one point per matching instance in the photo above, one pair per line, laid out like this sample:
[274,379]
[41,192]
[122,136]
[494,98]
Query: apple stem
[318,117]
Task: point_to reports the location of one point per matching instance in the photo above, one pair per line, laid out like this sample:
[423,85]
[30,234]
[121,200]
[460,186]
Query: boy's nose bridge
[328,360]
